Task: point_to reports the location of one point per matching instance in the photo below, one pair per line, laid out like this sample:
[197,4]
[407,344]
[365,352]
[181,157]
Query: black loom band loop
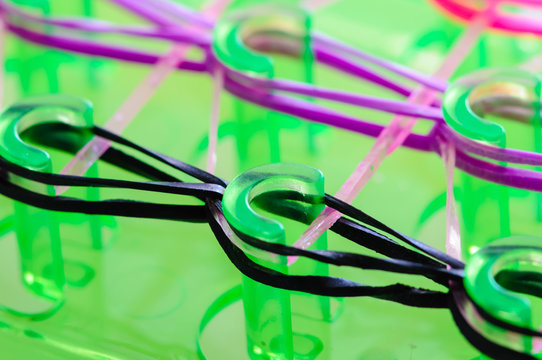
[359,215]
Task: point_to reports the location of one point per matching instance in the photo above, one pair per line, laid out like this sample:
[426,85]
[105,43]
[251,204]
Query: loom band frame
[526,282]
[500,21]
[33,113]
[319,285]
[264,305]
[470,127]
[516,281]
[461,300]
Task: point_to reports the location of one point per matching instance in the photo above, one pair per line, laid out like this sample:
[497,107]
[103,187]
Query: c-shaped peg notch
[507,93]
[243,36]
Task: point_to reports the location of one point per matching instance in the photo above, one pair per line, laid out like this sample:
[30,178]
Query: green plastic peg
[240,41]
[498,279]
[270,314]
[499,107]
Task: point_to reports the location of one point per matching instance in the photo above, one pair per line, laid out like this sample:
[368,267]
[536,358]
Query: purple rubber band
[98,49]
[149,13]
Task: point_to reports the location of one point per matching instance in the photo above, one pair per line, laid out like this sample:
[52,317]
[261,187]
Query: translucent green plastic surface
[152,286]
